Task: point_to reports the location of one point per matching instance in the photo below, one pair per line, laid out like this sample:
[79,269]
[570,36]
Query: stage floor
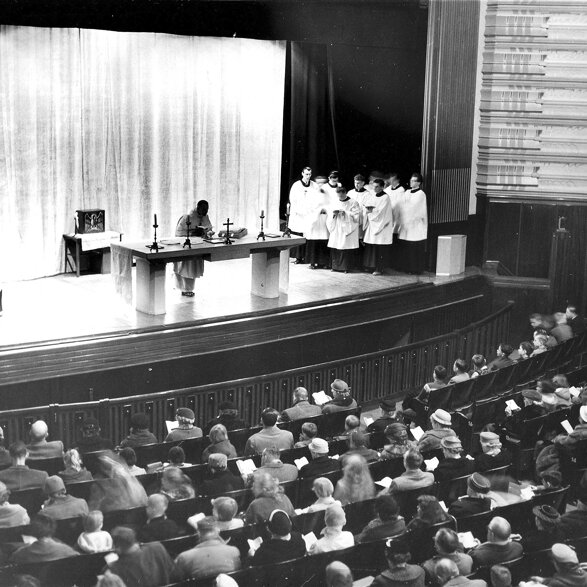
[67,307]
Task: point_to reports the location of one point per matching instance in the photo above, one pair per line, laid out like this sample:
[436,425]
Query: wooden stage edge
[69,309]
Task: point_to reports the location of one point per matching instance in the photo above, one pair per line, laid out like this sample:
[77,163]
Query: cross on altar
[228,224]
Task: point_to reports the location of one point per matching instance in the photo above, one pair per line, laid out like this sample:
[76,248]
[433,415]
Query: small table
[78,244]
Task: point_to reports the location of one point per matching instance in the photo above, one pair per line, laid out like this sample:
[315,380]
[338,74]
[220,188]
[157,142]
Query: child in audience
[94,539]
[323,489]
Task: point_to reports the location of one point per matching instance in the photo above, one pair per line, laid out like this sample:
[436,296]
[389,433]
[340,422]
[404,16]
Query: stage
[65,307]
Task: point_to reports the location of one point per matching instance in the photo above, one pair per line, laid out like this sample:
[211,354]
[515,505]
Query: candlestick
[287,209]
[262,213]
[155,218]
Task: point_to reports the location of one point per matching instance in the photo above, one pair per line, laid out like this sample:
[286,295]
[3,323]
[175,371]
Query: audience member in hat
[176,485]
[219,443]
[454,463]
[219,479]
[323,490]
[441,428]
[388,416]
[308,432]
[93,538]
[90,439]
[568,571]
[11,514]
[269,496]
[562,331]
[228,416]
[351,422]
[570,442]
[397,436]
[499,548]
[284,543]
[185,429]
[356,483]
[301,407]
[500,576]
[333,535]
[338,575]
[533,408]
[428,513]
[272,464]
[413,477]
[493,455]
[59,505]
[447,545]
[447,574]
[269,436]
[550,480]
[503,359]
[224,510]
[399,571]
[341,398]
[139,432]
[320,463]
[46,548]
[18,476]
[359,445]
[574,523]
[129,458]
[460,370]
[39,447]
[74,468]
[476,500]
[140,565]
[387,523]
[158,525]
[478,366]
[547,532]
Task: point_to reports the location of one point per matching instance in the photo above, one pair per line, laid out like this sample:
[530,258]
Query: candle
[262,212]
[155,218]
[287,209]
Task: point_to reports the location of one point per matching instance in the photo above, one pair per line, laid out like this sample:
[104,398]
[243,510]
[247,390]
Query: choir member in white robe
[343,224]
[359,194]
[413,227]
[186,272]
[332,185]
[394,190]
[298,200]
[378,225]
[318,205]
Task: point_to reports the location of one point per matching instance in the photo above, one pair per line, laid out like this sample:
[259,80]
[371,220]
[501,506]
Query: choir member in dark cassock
[342,222]
[476,500]
[493,456]
[378,226]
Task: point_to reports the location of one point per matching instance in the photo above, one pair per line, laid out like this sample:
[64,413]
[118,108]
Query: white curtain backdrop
[137,124]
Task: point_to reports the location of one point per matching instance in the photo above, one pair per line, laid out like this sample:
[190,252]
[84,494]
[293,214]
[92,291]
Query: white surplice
[413,216]
[344,226]
[395,198]
[299,194]
[378,224]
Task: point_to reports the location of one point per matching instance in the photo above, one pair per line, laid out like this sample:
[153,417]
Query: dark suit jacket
[221,483]
[499,363]
[45,450]
[19,477]
[319,466]
[300,410]
[467,506]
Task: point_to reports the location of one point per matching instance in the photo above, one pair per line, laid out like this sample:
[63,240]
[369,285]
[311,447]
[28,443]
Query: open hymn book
[320,398]
[246,467]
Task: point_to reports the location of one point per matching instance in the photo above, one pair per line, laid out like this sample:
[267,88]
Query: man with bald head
[39,447]
[499,547]
[338,575]
[158,526]
[301,408]
[447,573]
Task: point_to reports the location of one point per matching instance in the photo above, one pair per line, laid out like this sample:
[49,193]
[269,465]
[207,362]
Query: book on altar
[171,425]
[309,539]
[417,432]
[320,398]
[299,463]
[385,482]
[246,467]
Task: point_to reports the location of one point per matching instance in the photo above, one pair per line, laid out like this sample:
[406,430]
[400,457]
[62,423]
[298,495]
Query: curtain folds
[135,123]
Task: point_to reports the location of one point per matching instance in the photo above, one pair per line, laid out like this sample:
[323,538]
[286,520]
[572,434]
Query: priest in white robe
[378,225]
[318,204]
[298,205]
[343,225]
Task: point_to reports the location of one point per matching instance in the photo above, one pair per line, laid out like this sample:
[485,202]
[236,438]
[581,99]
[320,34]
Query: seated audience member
[186,429]
[11,514]
[429,513]
[356,483]
[399,572]
[93,538]
[525,350]
[476,500]
[576,322]
[109,579]
[176,485]
[500,576]
[413,477]
[441,427]
[323,490]
[321,463]
[547,532]
[333,535]
[46,548]
[397,435]
[39,447]
[533,408]
[540,344]
[479,366]
[574,523]
[350,423]
[270,435]
[74,469]
[562,331]
[129,458]
[568,571]
[546,387]
[550,480]
[301,407]
[571,441]
[308,433]
[504,351]
[269,496]
[140,565]
[499,548]
[159,526]
[228,416]
[210,557]
[341,398]
[219,443]
[90,439]
[59,505]
[439,380]
[272,464]
[284,543]
[447,574]
[220,479]
[224,510]
[18,476]
[388,416]
[561,391]
[176,458]
[454,463]
[447,545]
[387,523]
[338,575]
[358,445]
[460,372]
[5,459]
[139,432]
[493,455]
